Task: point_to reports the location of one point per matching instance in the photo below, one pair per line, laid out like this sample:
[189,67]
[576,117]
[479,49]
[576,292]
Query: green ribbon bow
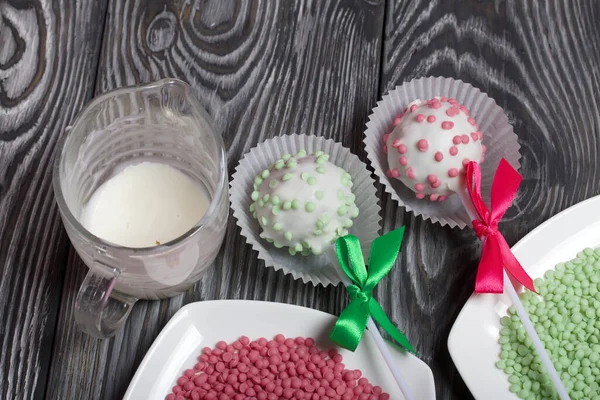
[350,326]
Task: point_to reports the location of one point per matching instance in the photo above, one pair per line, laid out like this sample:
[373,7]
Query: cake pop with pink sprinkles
[431,144]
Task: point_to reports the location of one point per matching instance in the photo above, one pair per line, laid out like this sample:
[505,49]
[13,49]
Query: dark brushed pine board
[539,60]
[261,69]
[48,55]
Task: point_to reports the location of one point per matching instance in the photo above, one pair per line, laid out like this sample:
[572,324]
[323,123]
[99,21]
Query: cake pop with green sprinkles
[566,316]
[303,202]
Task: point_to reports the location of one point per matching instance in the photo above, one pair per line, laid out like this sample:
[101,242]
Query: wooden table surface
[266,68]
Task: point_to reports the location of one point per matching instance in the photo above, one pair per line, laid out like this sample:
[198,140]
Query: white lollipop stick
[383,349]
[527,324]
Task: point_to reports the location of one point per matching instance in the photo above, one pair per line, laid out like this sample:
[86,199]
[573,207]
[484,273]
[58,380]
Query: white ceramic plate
[205,323]
[473,340]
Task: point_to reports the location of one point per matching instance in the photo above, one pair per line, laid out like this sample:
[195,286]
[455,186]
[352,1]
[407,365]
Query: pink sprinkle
[438,156]
[480,135]
[444,99]
[422,144]
[474,136]
[432,178]
[413,108]
[385,148]
[447,125]
[465,139]
[420,196]
[435,184]
[433,197]
[482,159]
[452,172]
[453,150]
[385,137]
[483,148]
[403,161]
[442,198]
[465,161]
[431,119]
[395,173]
[397,120]
[396,143]
[420,118]
[436,105]
[456,140]
[388,173]
[402,149]
[410,174]
[419,187]
[452,111]
[452,101]
[471,120]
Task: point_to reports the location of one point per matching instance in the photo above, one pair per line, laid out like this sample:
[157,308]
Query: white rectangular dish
[473,341]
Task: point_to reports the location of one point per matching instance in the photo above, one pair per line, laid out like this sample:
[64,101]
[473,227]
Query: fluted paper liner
[498,137]
[311,268]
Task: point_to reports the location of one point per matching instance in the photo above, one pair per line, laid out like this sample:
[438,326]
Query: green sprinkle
[291,164]
[258,180]
[292,251]
[279,164]
[266,197]
[318,153]
[264,221]
[287,176]
[321,169]
[286,156]
[265,174]
[320,224]
[340,194]
[288,235]
[252,207]
[305,176]
[298,247]
[272,183]
[305,245]
[342,210]
[287,205]
[301,153]
[355,212]
[276,210]
[321,161]
[277,227]
[309,206]
[295,204]
[261,203]
[325,218]
[269,240]
[319,194]
[275,200]
[278,245]
[311,180]
[255,195]
[349,200]
[318,232]
[348,223]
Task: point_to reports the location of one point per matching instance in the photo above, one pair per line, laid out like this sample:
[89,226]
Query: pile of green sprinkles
[566,316]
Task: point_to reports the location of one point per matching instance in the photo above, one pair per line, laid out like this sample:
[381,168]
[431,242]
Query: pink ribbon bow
[496,252]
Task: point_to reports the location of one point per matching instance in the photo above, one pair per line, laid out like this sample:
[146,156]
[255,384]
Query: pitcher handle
[99,311]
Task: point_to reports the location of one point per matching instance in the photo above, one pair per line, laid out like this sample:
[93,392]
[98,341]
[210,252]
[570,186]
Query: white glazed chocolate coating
[430,146]
[304,203]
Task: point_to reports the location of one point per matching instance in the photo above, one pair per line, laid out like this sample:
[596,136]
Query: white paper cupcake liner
[315,269]
[498,137]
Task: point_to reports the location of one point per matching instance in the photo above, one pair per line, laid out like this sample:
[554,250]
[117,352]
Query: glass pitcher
[159,122]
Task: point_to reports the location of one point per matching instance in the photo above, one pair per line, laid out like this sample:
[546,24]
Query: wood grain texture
[540,62]
[261,68]
[44,80]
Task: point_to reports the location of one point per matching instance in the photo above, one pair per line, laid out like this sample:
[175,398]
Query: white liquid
[144,205]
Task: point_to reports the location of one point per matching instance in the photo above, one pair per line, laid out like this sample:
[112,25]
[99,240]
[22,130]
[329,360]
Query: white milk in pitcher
[145,205]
